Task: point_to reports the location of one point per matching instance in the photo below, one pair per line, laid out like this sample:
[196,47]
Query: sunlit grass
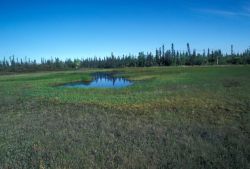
[177,117]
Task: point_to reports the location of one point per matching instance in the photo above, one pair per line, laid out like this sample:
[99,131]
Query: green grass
[175,117]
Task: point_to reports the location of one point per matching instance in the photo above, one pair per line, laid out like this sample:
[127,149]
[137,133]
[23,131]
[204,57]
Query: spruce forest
[161,57]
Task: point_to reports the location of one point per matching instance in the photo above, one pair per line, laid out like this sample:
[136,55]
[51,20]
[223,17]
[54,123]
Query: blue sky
[87,28]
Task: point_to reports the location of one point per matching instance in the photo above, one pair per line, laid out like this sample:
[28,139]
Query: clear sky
[87,28]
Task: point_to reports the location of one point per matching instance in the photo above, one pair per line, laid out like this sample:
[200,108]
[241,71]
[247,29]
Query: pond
[101,80]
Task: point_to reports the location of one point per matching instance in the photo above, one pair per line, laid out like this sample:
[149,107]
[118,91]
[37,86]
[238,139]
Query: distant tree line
[160,57]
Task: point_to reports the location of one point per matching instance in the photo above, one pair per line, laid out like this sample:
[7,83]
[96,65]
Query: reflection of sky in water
[101,80]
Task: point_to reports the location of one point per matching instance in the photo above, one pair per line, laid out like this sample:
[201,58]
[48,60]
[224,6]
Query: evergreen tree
[188,50]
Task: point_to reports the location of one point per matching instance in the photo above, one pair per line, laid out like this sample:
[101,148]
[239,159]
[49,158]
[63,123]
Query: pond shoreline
[100,80]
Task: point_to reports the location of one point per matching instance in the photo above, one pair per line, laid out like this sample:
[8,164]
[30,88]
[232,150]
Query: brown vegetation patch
[228,83]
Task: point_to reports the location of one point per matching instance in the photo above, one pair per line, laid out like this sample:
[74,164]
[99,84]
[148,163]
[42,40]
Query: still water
[101,80]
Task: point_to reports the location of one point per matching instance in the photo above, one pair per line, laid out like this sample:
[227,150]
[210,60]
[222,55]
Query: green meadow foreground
[172,117]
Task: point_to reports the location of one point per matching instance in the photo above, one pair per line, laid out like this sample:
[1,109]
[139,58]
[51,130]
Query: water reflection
[101,80]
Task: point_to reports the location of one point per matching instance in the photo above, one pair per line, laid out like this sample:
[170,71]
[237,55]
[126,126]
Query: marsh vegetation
[175,117]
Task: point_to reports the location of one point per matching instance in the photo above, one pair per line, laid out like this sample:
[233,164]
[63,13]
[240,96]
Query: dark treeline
[160,57]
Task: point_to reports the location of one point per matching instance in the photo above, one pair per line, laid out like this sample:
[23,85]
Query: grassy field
[175,117]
